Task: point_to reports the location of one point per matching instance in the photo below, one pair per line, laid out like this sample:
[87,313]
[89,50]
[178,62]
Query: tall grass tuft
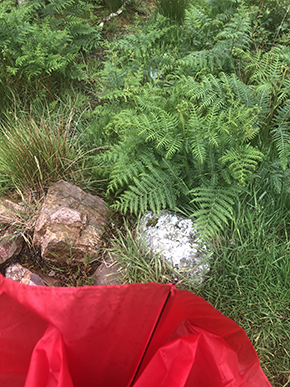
[114,5]
[173,9]
[35,152]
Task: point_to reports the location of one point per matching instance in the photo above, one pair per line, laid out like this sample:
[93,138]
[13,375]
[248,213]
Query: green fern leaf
[215,208]
[150,191]
[281,134]
[242,162]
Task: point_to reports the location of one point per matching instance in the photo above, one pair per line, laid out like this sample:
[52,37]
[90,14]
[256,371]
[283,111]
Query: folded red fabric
[141,335]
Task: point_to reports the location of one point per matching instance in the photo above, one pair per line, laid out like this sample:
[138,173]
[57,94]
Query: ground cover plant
[187,112]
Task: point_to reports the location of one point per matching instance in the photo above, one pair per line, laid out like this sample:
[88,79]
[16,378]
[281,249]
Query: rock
[10,210]
[10,245]
[108,273]
[174,237]
[50,280]
[70,224]
[18,273]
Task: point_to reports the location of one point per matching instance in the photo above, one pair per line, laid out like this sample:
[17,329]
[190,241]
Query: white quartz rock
[174,237]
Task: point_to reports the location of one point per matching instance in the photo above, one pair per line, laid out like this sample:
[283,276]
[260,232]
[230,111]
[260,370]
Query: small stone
[22,275]
[10,244]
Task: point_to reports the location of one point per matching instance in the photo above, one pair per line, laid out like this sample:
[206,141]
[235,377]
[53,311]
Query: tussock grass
[114,5]
[35,152]
[173,9]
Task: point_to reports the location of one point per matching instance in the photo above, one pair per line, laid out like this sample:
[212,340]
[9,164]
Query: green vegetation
[37,151]
[173,9]
[114,5]
[184,107]
[42,40]
[138,264]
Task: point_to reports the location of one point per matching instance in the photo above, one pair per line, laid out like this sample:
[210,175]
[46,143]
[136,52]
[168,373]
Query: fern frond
[197,138]
[160,129]
[281,134]
[241,92]
[127,165]
[150,191]
[217,58]
[267,70]
[150,100]
[242,161]
[139,46]
[272,179]
[215,207]
[237,30]
[208,92]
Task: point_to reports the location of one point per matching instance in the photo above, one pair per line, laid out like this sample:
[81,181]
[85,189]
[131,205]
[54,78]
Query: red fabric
[141,335]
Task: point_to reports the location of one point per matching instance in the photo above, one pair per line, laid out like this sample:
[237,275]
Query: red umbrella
[141,335]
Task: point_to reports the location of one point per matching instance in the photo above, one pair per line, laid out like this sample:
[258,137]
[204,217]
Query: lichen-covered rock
[20,274]
[70,223]
[174,237]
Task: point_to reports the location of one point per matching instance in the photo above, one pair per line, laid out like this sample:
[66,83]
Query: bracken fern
[189,135]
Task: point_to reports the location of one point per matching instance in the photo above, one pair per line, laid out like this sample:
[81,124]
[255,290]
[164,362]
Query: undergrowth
[186,113]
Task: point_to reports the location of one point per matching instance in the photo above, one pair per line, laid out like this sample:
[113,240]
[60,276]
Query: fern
[237,30]
[141,47]
[281,135]
[269,74]
[215,207]
[242,162]
[193,136]
[154,190]
[45,37]
[234,35]
[126,167]
[201,28]
[273,179]
[176,139]
[160,129]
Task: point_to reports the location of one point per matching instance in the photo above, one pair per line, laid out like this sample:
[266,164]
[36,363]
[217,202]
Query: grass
[250,278]
[139,264]
[250,283]
[21,219]
[36,151]
[173,9]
